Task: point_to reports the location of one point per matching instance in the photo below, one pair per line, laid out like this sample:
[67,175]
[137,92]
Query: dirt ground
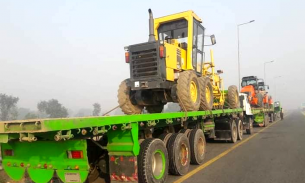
[3,177]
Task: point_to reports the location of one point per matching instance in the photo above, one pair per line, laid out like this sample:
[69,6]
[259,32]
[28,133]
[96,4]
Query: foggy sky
[73,51]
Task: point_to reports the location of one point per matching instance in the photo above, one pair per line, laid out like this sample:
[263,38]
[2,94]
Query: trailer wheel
[186,132]
[233,132]
[271,117]
[250,129]
[207,99]
[179,154]
[233,97]
[165,137]
[154,108]
[198,146]
[240,130]
[152,161]
[188,91]
[125,101]
[266,120]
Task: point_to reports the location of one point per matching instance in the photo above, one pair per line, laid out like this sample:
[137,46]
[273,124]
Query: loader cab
[250,80]
[182,33]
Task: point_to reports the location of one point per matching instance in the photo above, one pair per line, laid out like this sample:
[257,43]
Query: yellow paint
[170,74]
[193,90]
[171,55]
[189,16]
[208,94]
[203,166]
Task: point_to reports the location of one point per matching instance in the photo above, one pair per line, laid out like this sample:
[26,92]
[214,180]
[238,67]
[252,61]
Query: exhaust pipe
[151,27]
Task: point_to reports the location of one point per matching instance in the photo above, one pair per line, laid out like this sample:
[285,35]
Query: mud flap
[123,169]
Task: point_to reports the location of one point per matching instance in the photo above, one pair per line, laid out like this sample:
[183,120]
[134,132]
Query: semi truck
[138,147]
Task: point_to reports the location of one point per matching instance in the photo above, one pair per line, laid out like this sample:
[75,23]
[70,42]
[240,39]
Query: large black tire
[233,97]
[154,108]
[125,102]
[186,81]
[233,129]
[206,91]
[198,146]
[165,137]
[178,148]
[249,130]
[152,161]
[266,120]
[240,130]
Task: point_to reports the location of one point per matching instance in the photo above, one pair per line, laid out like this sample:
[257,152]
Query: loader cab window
[249,82]
[198,42]
[174,30]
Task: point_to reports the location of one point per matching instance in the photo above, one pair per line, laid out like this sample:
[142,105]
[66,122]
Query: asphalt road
[273,155]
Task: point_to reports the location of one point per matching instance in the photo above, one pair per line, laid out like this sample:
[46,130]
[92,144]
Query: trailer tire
[266,120]
[125,102]
[197,146]
[186,132]
[188,91]
[179,154]
[233,129]
[240,130]
[207,98]
[154,108]
[152,161]
[250,129]
[165,137]
[233,97]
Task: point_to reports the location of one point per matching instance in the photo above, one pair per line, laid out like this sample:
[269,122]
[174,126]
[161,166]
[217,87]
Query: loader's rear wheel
[198,146]
[206,89]
[188,91]
[179,154]
[260,98]
[240,130]
[154,108]
[125,101]
[233,132]
[233,98]
[152,161]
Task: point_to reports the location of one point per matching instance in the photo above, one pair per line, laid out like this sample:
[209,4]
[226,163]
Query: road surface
[272,155]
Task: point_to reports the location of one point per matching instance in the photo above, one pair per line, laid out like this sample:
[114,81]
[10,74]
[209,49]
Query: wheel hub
[193,91]
[158,165]
[183,154]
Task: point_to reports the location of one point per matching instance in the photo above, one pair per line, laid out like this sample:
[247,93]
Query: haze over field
[73,51]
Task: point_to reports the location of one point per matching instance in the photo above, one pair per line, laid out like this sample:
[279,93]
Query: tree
[30,115]
[8,107]
[96,109]
[53,109]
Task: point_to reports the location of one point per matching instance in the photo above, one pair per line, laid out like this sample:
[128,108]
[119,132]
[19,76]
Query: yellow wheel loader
[170,67]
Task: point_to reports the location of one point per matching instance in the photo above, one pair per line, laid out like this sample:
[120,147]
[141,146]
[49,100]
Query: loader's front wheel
[207,99]
[233,97]
[124,100]
[188,91]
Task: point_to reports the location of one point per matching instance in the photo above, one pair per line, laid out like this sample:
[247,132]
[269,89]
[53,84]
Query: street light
[238,49]
[265,70]
[275,86]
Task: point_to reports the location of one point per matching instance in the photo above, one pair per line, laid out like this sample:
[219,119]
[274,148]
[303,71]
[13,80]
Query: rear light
[76,167]
[8,152]
[127,57]
[9,164]
[75,155]
[45,166]
[161,51]
[22,164]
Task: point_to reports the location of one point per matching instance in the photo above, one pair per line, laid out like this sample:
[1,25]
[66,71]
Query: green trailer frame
[40,146]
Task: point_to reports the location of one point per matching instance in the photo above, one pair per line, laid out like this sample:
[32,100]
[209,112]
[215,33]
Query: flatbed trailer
[133,148]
